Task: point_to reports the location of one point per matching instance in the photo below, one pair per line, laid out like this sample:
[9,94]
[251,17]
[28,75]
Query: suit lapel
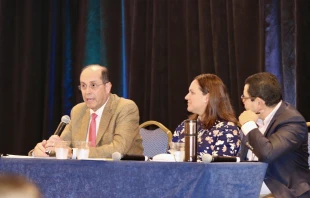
[269,129]
[83,129]
[105,118]
[244,152]
[244,149]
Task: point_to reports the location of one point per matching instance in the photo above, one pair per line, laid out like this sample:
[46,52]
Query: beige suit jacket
[118,130]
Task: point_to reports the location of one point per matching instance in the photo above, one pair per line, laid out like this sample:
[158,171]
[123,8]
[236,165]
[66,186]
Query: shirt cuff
[248,126]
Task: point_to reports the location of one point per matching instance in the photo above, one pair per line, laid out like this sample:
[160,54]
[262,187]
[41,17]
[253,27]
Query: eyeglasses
[93,86]
[245,98]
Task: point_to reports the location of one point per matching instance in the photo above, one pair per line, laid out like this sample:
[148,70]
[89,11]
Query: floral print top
[222,139]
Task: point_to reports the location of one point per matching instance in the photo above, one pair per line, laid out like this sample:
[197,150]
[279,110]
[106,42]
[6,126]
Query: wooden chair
[155,141]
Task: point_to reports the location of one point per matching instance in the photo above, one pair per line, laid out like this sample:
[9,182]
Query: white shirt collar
[100,110]
[267,120]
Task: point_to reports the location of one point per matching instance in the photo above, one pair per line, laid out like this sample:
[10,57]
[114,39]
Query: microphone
[207,158]
[117,156]
[64,121]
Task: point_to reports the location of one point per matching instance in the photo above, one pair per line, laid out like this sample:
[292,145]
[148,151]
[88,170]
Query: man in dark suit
[116,119]
[275,133]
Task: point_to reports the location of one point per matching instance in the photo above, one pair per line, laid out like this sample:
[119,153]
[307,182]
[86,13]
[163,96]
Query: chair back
[155,141]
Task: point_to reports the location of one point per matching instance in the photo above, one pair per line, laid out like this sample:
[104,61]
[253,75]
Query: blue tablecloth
[88,178]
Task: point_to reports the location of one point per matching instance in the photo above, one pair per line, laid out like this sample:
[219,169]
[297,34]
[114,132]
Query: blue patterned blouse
[220,140]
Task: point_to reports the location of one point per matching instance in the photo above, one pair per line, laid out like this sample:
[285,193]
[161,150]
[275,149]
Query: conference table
[104,178]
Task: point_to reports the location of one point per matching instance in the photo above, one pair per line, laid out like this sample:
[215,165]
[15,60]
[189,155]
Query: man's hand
[39,150]
[50,144]
[51,141]
[248,116]
[44,147]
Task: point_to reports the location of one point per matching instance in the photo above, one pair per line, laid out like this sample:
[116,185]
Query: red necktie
[92,130]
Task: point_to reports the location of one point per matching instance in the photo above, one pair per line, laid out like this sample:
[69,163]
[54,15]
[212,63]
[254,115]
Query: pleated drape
[153,49]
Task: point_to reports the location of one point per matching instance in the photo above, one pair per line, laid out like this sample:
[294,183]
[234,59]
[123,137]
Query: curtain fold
[153,50]
[174,41]
[36,58]
[22,72]
[302,53]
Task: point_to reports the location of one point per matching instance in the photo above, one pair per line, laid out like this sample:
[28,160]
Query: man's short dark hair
[265,86]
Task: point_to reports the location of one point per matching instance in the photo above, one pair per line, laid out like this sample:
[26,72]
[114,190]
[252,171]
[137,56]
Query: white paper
[25,156]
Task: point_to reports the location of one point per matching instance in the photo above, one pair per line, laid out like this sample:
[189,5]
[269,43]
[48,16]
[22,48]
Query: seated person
[275,133]
[217,130]
[110,123]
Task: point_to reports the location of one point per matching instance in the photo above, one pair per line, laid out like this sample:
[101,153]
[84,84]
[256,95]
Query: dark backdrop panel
[171,42]
[302,63]
[33,80]
[43,45]
[23,59]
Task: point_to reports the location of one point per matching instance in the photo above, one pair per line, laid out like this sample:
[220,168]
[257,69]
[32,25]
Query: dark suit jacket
[118,129]
[284,148]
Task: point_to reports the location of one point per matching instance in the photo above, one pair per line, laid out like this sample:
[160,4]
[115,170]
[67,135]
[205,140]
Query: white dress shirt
[262,126]
[98,118]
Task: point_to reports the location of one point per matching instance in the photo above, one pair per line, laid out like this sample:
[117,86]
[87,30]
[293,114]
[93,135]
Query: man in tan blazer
[117,119]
